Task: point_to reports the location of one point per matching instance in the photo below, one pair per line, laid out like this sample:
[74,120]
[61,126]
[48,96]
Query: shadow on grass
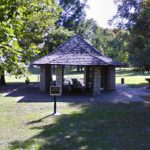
[40,120]
[98,126]
[146,98]
[28,93]
[9,87]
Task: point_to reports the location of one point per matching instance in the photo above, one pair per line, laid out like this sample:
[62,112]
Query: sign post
[55,105]
[55,91]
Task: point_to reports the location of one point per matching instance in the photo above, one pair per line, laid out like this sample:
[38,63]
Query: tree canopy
[55,38]
[73,12]
[22,26]
[112,43]
[133,15]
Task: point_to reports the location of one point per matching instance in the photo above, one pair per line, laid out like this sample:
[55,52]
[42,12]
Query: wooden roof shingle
[76,51]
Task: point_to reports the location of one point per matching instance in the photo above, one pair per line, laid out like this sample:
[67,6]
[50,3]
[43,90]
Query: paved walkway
[31,93]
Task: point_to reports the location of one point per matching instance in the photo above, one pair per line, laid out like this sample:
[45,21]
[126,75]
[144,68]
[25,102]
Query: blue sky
[101,11]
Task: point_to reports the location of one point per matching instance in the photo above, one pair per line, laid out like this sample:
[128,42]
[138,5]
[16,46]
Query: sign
[55,90]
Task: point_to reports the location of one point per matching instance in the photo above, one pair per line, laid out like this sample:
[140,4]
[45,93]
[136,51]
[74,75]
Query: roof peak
[88,44]
[77,45]
[76,51]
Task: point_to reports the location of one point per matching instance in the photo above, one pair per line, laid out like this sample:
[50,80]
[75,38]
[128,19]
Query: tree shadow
[29,93]
[99,126]
[9,87]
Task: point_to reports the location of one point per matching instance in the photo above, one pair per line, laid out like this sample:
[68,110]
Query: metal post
[54,104]
[122,80]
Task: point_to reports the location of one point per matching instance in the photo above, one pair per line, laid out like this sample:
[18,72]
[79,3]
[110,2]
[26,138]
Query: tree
[22,26]
[54,39]
[133,15]
[73,13]
[118,45]
[87,29]
[112,43]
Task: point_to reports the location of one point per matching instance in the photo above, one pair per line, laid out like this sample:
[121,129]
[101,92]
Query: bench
[148,79]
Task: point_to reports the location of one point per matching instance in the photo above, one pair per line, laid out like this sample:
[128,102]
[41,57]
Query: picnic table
[148,79]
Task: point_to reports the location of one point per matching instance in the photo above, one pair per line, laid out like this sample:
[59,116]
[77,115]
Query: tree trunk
[2,79]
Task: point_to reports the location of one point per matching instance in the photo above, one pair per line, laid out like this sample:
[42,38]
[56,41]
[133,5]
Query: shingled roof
[76,51]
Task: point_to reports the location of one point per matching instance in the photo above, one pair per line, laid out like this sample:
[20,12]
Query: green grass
[13,79]
[81,126]
[36,78]
[133,79]
[16,117]
[96,126]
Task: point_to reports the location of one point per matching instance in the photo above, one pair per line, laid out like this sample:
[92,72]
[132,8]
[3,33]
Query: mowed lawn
[133,79]
[81,126]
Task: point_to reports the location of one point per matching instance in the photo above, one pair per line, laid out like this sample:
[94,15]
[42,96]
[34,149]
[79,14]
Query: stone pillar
[59,75]
[104,77]
[96,80]
[87,77]
[111,83]
[45,77]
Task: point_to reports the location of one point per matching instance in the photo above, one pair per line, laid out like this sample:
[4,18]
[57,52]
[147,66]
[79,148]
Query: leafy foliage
[112,43]
[118,45]
[73,12]
[22,26]
[134,16]
[54,39]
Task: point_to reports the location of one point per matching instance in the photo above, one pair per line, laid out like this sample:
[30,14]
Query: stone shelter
[99,70]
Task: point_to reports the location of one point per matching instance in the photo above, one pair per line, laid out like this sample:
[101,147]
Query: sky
[101,11]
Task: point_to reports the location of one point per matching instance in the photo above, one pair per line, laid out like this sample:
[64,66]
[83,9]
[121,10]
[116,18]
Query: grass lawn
[36,78]
[133,79]
[81,126]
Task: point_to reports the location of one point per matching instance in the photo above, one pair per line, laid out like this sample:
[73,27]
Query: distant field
[33,78]
[133,79]
[36,78]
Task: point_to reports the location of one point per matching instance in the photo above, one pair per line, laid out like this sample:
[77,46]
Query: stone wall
[104,77]
[45,77]
[111,83]
[96,80]
[87,77]
[59,75]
